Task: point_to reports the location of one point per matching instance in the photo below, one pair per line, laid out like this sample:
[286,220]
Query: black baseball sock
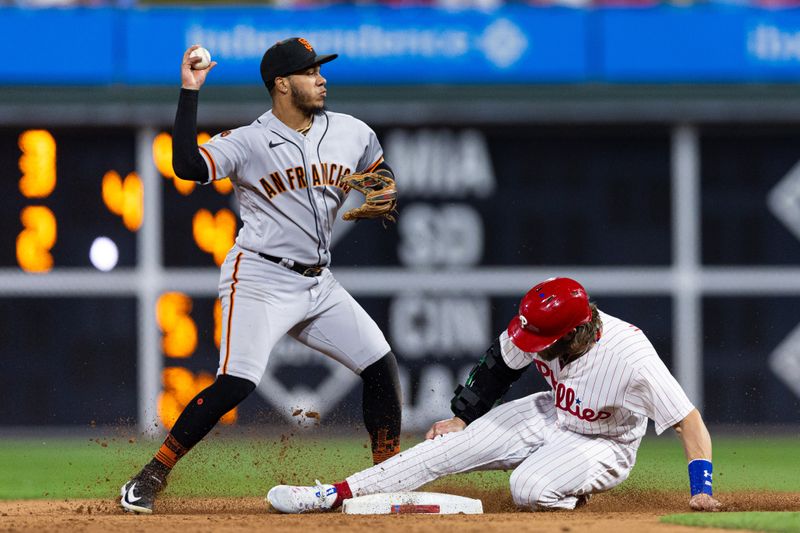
[197,419]
[381,403]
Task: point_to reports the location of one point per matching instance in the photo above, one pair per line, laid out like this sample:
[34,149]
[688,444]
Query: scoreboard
[75,203]
[485,210]
[75,186]
[65,188]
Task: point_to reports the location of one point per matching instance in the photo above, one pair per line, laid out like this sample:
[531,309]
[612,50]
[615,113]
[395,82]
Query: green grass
[70,468]
[740,464]
[776,521]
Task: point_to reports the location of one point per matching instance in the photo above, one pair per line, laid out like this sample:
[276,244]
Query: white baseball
[205,58]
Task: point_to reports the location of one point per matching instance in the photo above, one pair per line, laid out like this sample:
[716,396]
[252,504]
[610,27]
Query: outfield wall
[689,231]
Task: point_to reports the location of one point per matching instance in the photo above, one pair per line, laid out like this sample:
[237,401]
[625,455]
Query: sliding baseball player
[579,438]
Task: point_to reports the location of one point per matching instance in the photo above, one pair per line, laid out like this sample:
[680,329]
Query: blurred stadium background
[649,150]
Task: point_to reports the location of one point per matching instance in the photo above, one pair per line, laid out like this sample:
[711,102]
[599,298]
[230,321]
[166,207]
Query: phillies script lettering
[565,397]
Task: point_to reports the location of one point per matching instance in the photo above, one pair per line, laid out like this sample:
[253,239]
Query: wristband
[700,472]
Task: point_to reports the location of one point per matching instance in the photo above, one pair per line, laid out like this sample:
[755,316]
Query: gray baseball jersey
[289,185]
[289,188]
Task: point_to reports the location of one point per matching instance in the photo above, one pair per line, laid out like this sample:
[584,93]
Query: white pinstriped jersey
[614,388]
[288,184]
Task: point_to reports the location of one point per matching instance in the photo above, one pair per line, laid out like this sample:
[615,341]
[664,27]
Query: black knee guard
[205,409]
[382,407]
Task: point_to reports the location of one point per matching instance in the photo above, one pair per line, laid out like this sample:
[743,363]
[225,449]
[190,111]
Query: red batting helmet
[547,312]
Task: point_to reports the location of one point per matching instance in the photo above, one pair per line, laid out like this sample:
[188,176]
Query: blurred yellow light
[179,382]
[112,191]
[223,186]
[162,157]
[124,197]
[214,233]
[180,387]
[162,154]
[179,330]
[36,239]
[184,187]
[37,163]
[132,201]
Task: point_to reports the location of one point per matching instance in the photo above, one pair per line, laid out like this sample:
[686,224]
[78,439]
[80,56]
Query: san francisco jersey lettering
[289,185]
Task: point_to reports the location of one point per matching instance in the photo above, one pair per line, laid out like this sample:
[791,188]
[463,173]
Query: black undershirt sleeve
[187,162]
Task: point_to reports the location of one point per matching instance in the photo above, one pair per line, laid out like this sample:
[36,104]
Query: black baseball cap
[287,56]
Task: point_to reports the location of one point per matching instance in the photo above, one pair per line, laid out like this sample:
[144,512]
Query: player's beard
[552,352]
[565,350]
[305,102]
[561,349]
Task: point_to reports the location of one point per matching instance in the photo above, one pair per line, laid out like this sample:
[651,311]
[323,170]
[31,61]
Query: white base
[412,503]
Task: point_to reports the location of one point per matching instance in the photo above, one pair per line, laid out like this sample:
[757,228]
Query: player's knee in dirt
[531,493]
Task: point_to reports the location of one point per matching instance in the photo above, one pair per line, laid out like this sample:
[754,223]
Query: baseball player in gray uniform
[289,169]
[565,444]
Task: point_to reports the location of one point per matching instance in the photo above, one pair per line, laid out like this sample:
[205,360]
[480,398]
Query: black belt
[304,270]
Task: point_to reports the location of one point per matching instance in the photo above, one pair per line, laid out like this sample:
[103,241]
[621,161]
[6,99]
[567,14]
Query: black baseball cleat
[583,500]
[139,494]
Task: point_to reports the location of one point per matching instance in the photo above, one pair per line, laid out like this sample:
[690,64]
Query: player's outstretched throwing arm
[186,159]
[697,446]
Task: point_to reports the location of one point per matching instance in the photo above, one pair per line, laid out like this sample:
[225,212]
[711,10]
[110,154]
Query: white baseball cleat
[294,500]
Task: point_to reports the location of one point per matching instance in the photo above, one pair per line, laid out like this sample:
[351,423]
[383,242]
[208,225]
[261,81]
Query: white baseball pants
[552,467]
[262,302]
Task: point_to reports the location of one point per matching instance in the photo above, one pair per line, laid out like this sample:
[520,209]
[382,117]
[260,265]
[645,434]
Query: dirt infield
[623,511]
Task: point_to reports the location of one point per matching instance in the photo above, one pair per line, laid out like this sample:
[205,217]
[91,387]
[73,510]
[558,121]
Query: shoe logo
[273,145]
[322,492]
[130,496]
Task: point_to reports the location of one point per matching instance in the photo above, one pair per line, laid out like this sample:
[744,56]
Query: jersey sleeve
[225,154]
[656,394]
[513,356]
[373,152]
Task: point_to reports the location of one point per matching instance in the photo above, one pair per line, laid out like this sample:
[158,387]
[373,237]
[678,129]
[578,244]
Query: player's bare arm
[697,447]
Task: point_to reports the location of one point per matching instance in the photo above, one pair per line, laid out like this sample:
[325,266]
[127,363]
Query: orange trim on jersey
[230,315]
[374,165]
[213,164]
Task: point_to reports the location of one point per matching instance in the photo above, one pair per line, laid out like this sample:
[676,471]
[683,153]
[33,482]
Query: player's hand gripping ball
[205,58]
